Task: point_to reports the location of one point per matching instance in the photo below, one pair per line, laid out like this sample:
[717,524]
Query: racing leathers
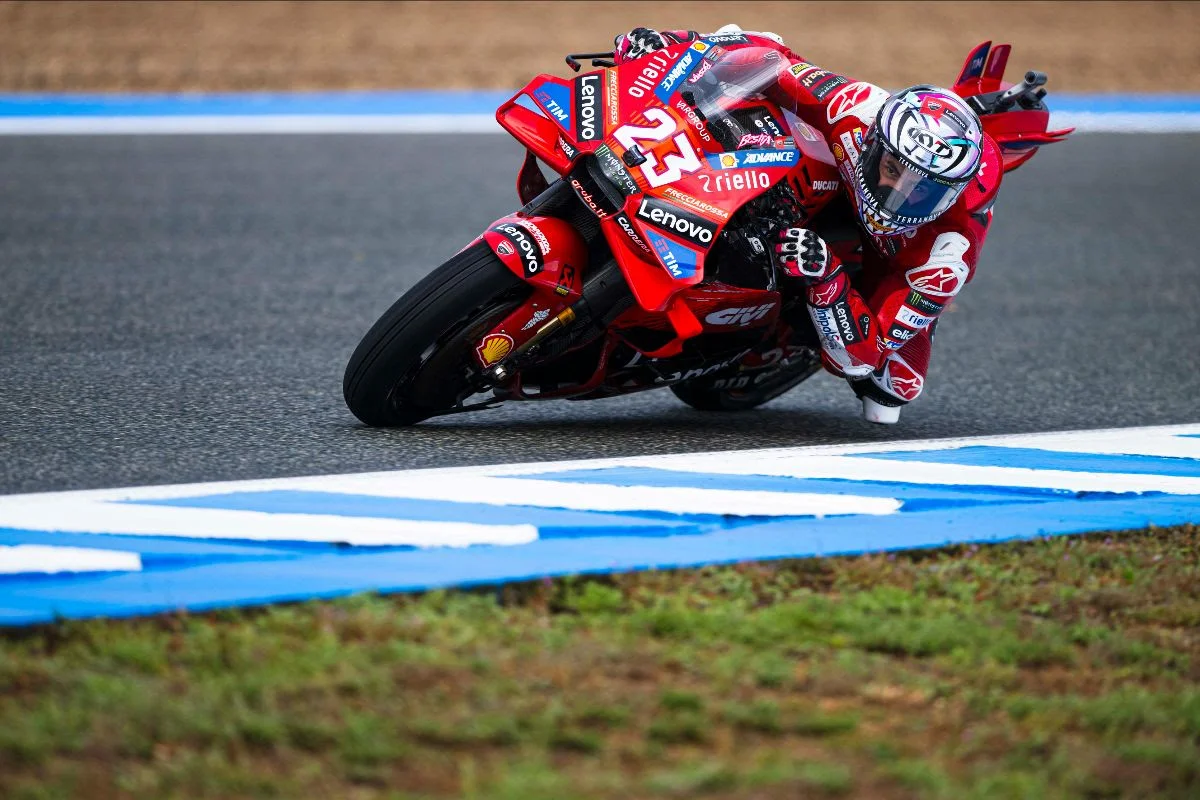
[877,332]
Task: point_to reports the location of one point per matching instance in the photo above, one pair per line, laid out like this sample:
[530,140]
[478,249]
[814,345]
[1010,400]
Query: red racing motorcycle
[645,264]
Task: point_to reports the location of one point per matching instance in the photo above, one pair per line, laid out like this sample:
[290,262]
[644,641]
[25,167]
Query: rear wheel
[715,393]
[418,360]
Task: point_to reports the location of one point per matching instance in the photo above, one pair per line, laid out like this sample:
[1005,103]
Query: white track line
[86,516]
[29,558]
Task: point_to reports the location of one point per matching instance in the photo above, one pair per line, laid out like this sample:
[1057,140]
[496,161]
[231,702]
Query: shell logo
[728,161]
[494,347]
[838,153]
[699,47]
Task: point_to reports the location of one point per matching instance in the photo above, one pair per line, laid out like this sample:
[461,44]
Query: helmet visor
[902,193]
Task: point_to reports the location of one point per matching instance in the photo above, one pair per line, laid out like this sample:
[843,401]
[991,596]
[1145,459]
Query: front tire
[418,360]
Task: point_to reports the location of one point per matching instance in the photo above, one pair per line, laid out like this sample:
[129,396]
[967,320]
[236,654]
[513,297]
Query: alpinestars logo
[587,107]
[942,281]
[529,253]
[673,219]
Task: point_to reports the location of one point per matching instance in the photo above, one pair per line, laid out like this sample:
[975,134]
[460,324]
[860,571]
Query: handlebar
[573,63]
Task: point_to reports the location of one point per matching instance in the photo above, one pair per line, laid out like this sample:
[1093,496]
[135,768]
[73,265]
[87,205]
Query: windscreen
[723,91]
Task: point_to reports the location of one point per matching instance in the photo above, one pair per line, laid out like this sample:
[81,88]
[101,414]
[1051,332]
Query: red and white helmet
[925,146]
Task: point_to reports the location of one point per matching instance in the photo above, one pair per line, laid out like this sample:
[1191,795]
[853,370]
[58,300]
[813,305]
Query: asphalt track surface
[181,308]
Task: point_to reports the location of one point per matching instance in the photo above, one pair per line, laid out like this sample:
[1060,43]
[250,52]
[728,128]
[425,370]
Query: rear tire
[418,359]
[702,394]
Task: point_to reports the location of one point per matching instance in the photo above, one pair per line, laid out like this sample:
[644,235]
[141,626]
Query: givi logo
[739,316]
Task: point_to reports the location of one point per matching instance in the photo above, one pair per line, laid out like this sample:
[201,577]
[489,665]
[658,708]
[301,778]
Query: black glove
[637,43]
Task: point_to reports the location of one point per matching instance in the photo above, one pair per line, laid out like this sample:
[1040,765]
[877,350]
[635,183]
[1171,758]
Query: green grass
[1056,668]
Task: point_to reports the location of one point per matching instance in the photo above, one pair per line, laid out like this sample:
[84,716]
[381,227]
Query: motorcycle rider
[922,177]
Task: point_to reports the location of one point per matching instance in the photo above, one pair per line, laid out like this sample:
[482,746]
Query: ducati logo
[505,249]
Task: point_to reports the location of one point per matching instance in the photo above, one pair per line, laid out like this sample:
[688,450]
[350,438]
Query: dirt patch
[207,46]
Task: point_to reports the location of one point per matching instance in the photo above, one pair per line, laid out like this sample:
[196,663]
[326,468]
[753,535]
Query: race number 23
[673,164]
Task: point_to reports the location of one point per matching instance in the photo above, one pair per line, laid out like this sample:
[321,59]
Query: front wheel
[418,360]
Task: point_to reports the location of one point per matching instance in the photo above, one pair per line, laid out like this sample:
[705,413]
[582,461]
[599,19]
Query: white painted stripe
[264,123]
[1084,122]
[1121,122]
[604,497]
[751,461]
[879,469]
[33,558]
[1118,443]
[86,516]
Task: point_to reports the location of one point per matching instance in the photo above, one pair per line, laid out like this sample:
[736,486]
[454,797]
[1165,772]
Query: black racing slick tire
[418,360]
[722,393]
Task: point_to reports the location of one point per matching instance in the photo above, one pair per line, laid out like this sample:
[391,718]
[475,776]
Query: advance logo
[673,219]
[588,122]
[683,68]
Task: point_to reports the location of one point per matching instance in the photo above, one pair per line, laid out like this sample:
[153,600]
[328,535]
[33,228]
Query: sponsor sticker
[923,304]
[566,277]
[627,226]
[675,220]
[909,317]
[522,241]
[697,124]
[726,38]
[493,348]
[754,158]
[589,125]
[734,181]
[739,316]
[901,334]
[695,203]
[680,71]
[654,68]
[556,100]
[537,317]
[826,326]
[612,167]
[801,67]
[614,112]
[681,262]
[826,87]
[588,199]
[825,186]
[569,151]
[939,280]
[848,99]
[845,322]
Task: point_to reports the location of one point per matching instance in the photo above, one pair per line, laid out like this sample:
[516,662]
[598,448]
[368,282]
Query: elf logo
[675,220]
[587,107]
[739,316]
